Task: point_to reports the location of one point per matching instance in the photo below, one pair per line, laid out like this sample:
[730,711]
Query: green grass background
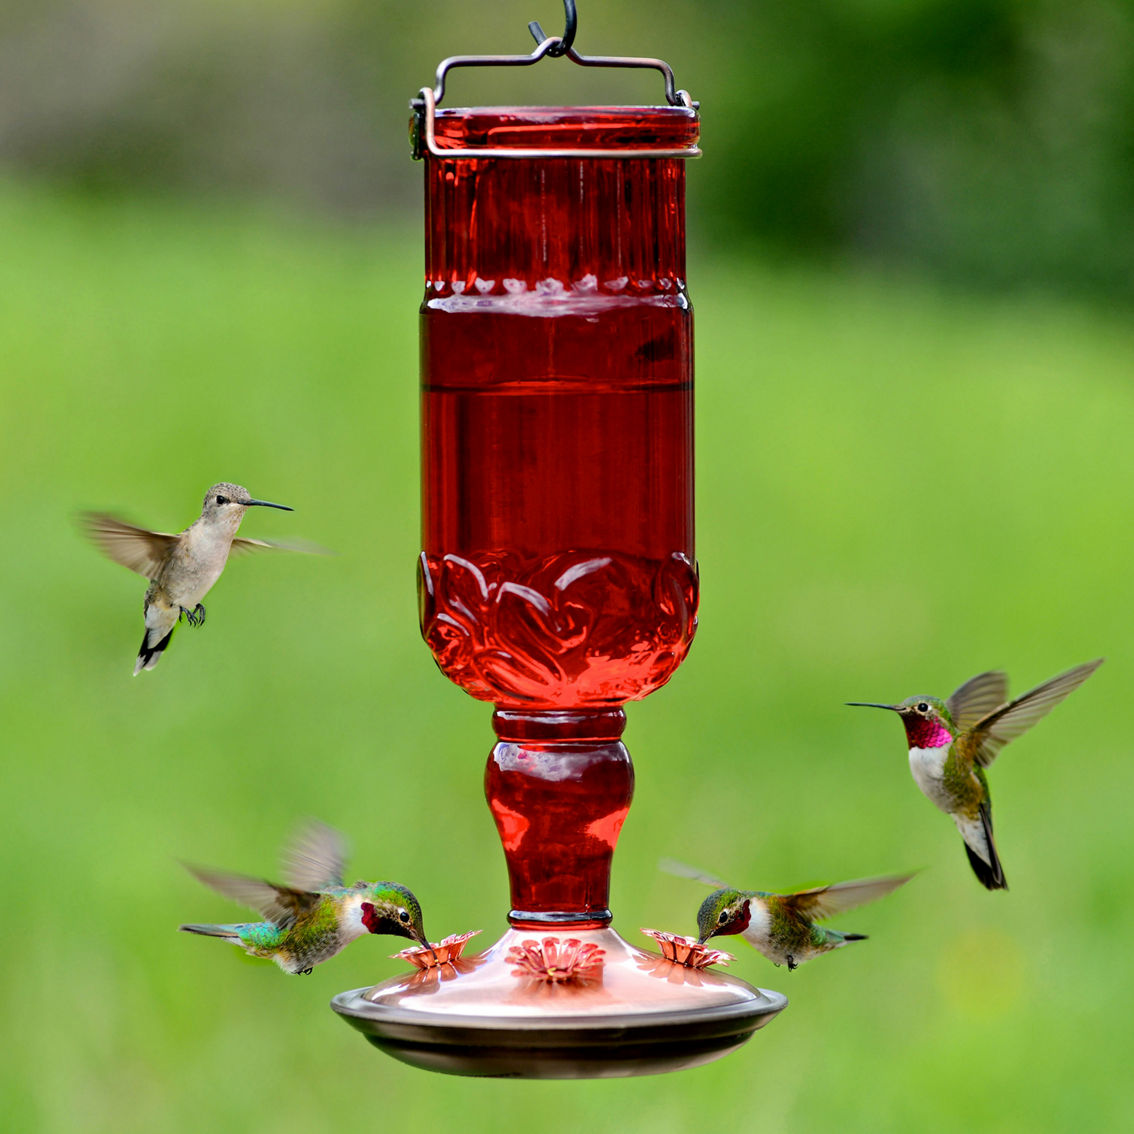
[897,487]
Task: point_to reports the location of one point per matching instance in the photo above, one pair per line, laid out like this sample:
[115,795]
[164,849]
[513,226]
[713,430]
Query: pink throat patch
[740,923]
[925,733]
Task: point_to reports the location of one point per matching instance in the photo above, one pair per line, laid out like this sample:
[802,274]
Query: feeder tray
[623,1012]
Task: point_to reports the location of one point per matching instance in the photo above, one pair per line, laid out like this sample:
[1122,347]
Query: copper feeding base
[548,1003]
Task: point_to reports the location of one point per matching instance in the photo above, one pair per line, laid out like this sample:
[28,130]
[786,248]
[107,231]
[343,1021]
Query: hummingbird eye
[222,499]
[922,707]
[724,917]
[403,916]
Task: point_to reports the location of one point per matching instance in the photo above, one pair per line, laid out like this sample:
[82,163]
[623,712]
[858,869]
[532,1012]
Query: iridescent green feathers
[314,915]
[951,742]
[782,926]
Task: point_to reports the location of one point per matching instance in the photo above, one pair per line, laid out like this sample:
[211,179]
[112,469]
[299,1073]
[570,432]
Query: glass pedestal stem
[559,785]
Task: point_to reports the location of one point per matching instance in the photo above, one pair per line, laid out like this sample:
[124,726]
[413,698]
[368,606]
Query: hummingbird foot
[791,965]
[195,617]
[305,972]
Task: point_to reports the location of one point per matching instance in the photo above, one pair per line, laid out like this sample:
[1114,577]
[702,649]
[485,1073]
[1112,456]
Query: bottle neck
[559,786]
[558,727]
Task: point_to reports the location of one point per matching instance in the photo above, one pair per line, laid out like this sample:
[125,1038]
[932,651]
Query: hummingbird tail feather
[991,877]
[990,872]
[227,931]
[148,655]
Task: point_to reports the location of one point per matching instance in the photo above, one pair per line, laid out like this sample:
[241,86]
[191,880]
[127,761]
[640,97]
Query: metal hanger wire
[424,107]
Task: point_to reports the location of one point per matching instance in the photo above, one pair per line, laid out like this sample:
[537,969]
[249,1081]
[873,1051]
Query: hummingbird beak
[266,504]
[873,705]
[424,941]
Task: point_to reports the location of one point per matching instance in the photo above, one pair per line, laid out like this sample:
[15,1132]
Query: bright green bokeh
[897,488]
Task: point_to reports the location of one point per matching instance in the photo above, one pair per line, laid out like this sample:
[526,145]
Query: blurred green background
[910,265]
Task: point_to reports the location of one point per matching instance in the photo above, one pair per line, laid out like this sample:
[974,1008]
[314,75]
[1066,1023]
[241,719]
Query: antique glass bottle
[558,577]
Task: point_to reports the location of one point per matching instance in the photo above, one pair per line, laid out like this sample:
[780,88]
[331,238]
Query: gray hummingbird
[782,926]
[181,568]
[951,742]
[314,916]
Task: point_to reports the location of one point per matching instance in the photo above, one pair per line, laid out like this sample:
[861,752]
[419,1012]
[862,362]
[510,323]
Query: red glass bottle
[558,577]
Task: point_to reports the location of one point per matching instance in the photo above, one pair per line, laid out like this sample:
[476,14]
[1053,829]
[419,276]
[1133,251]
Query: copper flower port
[444,952]
[555,961]
[686,951]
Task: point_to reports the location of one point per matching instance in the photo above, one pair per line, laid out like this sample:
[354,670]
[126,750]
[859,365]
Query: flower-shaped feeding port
[687,951]
[557,962]
[445,952]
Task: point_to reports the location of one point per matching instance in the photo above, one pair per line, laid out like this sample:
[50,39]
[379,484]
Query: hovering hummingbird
[314,916]
[952,742]
[781,926]
[181,568]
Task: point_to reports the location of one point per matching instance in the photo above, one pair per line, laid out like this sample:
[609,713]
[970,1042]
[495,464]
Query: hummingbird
[782,926]
[181,568]
[314,915]
[951,743]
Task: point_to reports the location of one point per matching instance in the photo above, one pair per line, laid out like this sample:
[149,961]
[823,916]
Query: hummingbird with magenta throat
[952,742]
[782,926]
[181,568]
[314,915]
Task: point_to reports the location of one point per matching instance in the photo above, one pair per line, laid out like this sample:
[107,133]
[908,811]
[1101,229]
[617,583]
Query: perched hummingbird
[181,568]
[953,741]
[781,926]
[314,916]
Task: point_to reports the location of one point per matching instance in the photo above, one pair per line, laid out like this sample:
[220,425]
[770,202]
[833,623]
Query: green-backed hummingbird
[314,916]
[951,742]
[181,568]
[782,926]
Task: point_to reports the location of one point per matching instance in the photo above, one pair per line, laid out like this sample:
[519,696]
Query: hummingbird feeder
[557,577]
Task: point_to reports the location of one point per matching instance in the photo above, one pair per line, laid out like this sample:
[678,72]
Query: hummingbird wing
[279,904]
[977,698]
[315,858]
[1009,721]
[140,550]
[672,866]
[241,545]
[826,901]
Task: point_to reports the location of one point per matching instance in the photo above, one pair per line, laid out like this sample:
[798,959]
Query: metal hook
[568,37]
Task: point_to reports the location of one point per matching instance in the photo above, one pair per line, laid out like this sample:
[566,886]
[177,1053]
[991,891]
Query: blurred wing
[314,860]
[277,903]
[140,550]
[977,698]
[241,546]
[826,901]
[1014,719]
[672,866]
